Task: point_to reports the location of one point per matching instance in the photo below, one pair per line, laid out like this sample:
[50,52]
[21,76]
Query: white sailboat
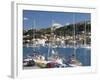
[36,47]
[54,59]
[36,57]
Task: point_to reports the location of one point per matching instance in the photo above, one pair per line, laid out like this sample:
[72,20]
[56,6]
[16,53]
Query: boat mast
[51,39]
[74,39]
[85,40]
[33,33]
[85,34]
[48,50]
[49,45]
[33,29]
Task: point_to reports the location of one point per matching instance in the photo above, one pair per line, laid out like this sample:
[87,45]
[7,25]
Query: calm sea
[82,54]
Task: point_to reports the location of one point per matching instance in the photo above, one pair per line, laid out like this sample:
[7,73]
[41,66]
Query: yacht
[74,62]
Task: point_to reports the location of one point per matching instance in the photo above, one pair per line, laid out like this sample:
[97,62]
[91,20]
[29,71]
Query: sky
[44,19]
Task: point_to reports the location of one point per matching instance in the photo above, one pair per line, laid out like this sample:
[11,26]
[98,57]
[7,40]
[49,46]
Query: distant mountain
[66,29]
[78,27]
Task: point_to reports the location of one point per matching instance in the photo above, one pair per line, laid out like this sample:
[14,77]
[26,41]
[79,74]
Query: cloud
[67,24]
[25,18]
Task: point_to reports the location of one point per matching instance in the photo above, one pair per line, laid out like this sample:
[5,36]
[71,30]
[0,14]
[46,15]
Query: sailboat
[54,59]
[74,62]
[36,57]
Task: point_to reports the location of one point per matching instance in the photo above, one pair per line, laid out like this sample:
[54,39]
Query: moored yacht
[74,62]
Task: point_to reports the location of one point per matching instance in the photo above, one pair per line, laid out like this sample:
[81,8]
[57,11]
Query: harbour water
[82,54]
